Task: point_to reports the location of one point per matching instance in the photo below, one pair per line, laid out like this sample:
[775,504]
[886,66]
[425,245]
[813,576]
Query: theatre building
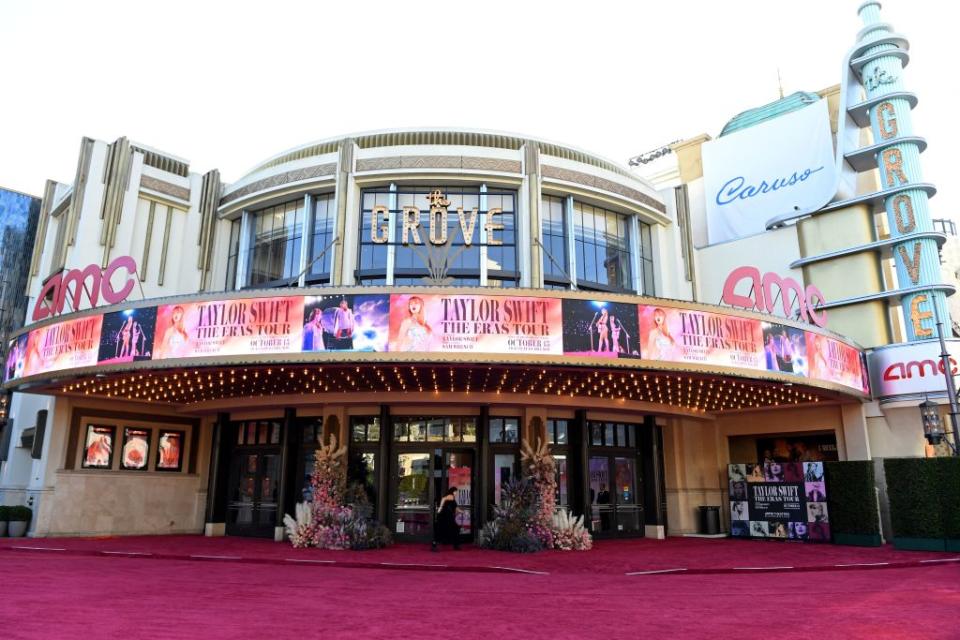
[431,298]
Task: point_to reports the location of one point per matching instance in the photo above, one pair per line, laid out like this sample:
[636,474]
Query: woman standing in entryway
[446,530]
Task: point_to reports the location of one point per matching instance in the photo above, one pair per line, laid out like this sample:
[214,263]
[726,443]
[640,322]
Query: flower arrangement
[540,467]
[327,522]
[569,534]
[555,529]
[515,526]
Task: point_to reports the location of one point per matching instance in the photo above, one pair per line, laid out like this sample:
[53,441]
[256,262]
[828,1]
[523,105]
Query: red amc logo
[906,370]
[53,296]
[764,298]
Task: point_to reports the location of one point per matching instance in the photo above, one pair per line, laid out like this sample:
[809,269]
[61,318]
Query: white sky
[226,85]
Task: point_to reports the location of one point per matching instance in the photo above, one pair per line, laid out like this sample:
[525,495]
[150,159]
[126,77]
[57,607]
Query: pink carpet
[609,557]
[57,595]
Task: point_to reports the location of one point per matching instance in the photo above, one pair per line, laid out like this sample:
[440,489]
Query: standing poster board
[779,500]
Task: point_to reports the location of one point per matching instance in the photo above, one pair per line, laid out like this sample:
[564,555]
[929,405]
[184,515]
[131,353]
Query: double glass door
[615,506]
[420,479]
[252,499]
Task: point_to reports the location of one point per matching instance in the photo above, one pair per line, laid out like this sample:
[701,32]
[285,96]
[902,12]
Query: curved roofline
[494,132]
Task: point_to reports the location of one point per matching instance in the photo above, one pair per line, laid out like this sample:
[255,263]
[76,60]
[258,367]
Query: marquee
[430,324]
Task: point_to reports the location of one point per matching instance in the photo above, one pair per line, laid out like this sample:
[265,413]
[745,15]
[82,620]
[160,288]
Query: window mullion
[391,233]
[571,241]
[306,239]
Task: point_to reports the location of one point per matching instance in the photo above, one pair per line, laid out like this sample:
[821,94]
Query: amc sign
[93,281]
[765,289]
[910,369]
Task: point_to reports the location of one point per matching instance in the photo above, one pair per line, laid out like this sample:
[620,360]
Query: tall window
[233,253]
[455,262]
[276,235]
[555,269]
[324,217]
[646,259]
[602,240]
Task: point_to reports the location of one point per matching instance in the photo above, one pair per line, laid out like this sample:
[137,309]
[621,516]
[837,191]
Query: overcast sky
[226,85]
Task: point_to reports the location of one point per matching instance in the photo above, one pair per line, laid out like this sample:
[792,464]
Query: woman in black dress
[446,530]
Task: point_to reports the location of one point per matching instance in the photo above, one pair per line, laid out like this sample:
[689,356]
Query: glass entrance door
[614,505]
[252,507]
[420,480]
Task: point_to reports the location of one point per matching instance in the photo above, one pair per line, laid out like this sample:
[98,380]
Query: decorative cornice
[166,188]
[280,179]
[438,162]
[578,177]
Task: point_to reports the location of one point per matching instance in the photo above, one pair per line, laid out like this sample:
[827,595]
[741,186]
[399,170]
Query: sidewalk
[609,557]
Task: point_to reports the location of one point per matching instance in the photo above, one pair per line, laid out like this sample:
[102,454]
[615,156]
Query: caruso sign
[909,369]
[762,296]
[780,166]
[53,295]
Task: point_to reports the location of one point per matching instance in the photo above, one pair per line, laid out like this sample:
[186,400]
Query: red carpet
[52,595]
[608,557]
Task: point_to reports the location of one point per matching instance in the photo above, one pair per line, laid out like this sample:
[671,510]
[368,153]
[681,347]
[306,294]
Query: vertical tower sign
[883,55]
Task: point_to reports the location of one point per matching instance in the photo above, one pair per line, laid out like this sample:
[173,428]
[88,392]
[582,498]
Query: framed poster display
[98,447]
[135,454]
[170,450]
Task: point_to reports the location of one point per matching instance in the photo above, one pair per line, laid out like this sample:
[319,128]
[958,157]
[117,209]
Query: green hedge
[950,496]
[924,497]
[4,513]
[852,498]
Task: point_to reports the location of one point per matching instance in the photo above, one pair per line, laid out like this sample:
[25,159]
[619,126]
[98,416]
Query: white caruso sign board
[782,166]
[914,368]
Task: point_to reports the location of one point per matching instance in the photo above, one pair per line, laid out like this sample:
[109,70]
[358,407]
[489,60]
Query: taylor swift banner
[683,335]
[229,327]
[834,361]
[65,345]
[480,324]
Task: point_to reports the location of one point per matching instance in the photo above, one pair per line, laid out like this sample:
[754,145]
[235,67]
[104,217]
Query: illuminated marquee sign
[911,369]
[764,299]
[573,330]
[53,295]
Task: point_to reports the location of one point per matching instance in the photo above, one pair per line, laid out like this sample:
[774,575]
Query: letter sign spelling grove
[764,296]
[54,293]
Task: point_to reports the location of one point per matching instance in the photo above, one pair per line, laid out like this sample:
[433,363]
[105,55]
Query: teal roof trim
[775,109]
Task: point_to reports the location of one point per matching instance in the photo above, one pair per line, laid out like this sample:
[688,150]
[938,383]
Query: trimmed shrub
[19,514]
[4,513]
[852,498]
[915,491]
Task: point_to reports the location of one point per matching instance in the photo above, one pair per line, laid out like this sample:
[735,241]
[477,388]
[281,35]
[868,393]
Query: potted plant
[19,520]
[3,520]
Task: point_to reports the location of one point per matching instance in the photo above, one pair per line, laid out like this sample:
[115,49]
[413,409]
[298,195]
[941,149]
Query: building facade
[436,299]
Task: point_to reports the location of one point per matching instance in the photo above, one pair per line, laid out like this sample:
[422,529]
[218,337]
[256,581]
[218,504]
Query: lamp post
[951,388]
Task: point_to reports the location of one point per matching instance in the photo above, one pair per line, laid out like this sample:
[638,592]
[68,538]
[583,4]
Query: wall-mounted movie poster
[600,329]
[135,454]
[475,324]
[346,323]
[807,448]
[686,335]
[784,349]
[170,450]
[16,355]
[229,327]
[785,500]
[127,336]
[98,447]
